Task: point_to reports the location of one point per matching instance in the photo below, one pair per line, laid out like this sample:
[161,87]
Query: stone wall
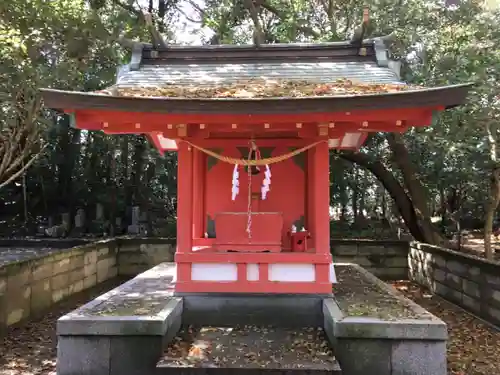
[136,255]
[30,286]
[468,281]
[387,260]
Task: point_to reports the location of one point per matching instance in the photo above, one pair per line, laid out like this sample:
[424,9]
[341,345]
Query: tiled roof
[212,74]
[232,81]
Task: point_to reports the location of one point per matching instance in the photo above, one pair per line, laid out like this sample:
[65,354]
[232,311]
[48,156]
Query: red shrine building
[252,128]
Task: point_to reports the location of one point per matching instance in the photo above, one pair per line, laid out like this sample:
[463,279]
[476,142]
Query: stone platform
[376,330]
[371,329]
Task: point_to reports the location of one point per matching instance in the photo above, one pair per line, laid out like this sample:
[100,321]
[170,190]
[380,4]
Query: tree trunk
[384,204]
[343,194]
[25,199]
[494,198]
[420,229]
[138,169]
[113,187]
[362,196]
[355,195]
[416,190]
[124,162]
[162,8]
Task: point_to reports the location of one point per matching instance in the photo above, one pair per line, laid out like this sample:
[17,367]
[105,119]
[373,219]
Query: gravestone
[143,223]
[134,228]
[136,214]
[61,230]
[65,217]
[99,225]
[79,227]
[99,212]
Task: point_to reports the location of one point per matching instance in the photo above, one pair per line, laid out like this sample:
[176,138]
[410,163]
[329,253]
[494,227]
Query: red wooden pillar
[322,197]
[184,198]
[318,211]
[199,167]
[310,186]
[318,197]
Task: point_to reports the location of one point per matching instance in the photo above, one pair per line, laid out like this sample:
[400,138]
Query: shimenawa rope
[260,162]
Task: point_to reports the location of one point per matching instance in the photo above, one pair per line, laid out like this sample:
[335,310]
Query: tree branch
[189,18]
[128,7]
[309,31]
[18,174]
[360,30]
[391,184]
[156,37]
[258,35]
[229,20]
[196,6]
[158,40]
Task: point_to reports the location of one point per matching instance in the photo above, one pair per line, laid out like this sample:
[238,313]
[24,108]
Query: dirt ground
[250,347]
[473,346]
[30,349]
[473,244]
[473,349]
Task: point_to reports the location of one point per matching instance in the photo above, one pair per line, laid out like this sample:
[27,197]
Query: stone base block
[122,332]
[288,310]
[246,371]
[394,357]
[374,346]
[107,355]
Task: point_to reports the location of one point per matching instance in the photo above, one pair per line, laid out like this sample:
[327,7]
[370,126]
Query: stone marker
[79,221]
[134,228]
[65,217]
[99,212]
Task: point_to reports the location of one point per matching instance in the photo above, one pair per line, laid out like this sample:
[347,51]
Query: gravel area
[473,346]
[30,349]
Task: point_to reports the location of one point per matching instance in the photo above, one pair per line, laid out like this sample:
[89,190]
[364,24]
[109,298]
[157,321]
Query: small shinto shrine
[252,128]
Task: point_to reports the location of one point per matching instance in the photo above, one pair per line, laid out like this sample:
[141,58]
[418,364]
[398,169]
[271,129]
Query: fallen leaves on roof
[259,88]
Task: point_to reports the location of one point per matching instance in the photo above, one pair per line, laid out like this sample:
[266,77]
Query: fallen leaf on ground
[32,347]
[473,347]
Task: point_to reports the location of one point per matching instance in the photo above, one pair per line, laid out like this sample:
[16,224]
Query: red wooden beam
[138,122]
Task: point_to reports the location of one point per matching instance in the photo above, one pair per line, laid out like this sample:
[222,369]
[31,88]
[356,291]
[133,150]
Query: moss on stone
[358,296]
[141,306]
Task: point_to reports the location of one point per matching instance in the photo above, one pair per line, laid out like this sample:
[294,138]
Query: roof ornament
[383,55]
[359,33]
[138,47]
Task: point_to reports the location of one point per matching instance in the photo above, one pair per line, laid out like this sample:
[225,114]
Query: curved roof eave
[446,96]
